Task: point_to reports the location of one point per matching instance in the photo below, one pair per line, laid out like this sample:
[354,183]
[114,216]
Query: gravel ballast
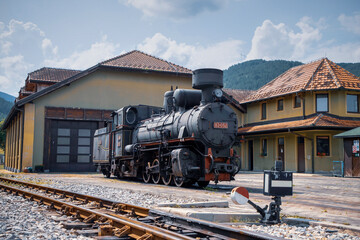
[21,219]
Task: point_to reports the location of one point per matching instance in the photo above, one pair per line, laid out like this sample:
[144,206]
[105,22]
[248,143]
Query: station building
[52,123]
[294,119]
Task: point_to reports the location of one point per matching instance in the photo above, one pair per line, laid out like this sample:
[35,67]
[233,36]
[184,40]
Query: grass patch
[211,189]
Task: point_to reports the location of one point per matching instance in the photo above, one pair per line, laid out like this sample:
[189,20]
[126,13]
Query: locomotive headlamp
[218,93]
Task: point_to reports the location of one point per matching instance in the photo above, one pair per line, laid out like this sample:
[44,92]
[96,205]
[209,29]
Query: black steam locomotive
[189,140]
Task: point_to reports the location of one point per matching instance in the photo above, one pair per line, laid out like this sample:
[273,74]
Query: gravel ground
[116,194]
[22,219]
[39,226]
[302,232]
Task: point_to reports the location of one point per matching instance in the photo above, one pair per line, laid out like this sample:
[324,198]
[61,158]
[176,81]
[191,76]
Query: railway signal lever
[277,183]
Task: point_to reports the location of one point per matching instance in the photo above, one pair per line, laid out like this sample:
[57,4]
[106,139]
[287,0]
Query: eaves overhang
[302,128]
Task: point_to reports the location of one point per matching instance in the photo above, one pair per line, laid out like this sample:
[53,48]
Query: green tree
[2,136]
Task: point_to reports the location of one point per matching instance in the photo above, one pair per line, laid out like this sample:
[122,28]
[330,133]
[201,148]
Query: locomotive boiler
[189,140]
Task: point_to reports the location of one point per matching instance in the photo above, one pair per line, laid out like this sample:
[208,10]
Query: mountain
[7,97]
[354,68]
[5,107]
[253,74]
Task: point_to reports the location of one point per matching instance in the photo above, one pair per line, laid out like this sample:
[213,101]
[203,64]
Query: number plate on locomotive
[220,125]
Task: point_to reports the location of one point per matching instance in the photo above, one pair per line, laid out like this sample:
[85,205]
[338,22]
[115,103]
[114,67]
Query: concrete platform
[211,211]
[216,212]
[218,204]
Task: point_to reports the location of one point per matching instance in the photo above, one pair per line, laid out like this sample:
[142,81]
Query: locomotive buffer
[277,183]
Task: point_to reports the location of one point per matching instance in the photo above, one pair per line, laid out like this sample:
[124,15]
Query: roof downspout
[312,149]
[303,98]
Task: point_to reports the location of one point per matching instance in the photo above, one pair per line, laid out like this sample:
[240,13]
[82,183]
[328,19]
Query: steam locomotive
[189,140]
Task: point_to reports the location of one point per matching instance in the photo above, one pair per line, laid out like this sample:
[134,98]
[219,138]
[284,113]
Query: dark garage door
[70,146]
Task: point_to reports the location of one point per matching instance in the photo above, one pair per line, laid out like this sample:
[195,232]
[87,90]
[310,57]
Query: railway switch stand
[277,184]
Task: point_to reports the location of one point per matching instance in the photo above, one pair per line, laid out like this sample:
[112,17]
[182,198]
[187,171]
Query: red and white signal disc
[240,195]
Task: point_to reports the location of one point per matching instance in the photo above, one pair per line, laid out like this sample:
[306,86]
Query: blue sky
[77,34]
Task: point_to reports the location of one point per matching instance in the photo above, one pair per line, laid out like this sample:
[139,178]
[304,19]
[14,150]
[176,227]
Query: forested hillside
[5,107]
[7,97]
[354,68]
[252,75]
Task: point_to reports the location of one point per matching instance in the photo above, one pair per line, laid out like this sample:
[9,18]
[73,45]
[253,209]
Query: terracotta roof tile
[46,74]
[317,75]
[237,94]
[320,120]
[139,60]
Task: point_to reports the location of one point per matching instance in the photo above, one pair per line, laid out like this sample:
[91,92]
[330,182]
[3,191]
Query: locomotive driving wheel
[167,179]
[156,176]
[179,181]
[146,176]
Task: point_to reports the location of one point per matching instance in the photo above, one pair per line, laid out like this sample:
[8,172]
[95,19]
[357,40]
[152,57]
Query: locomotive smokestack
[210,81]
[168,101]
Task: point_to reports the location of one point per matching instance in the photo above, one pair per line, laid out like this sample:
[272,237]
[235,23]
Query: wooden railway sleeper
[146,236]
[77,215]
[101,220]
[51,206]
[121,232]
[90,219]
[132,213]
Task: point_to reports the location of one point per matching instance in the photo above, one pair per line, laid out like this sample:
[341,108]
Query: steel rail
[133,229]
[197,226]
[121,207]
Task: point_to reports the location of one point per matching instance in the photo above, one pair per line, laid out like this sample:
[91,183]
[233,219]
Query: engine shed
[53,121]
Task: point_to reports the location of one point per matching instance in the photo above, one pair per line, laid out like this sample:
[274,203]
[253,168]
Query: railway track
[124,221]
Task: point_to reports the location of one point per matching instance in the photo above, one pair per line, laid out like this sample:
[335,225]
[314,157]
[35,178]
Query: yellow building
[53,120]
[57,112]
[294,117]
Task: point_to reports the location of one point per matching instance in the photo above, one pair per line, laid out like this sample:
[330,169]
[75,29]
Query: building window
[352,103]
[263,111]
[297,102]
[84,142]
[323,146]
[322,103]
[264,147]
[280,104]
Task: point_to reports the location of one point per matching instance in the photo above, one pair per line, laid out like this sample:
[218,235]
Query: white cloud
[24,48]
[175,9]
[219,55]
[20,48]
[48,48]
[97,52]
[272,41]
[348,52]
[351,23]
[5,47]
[12,69]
